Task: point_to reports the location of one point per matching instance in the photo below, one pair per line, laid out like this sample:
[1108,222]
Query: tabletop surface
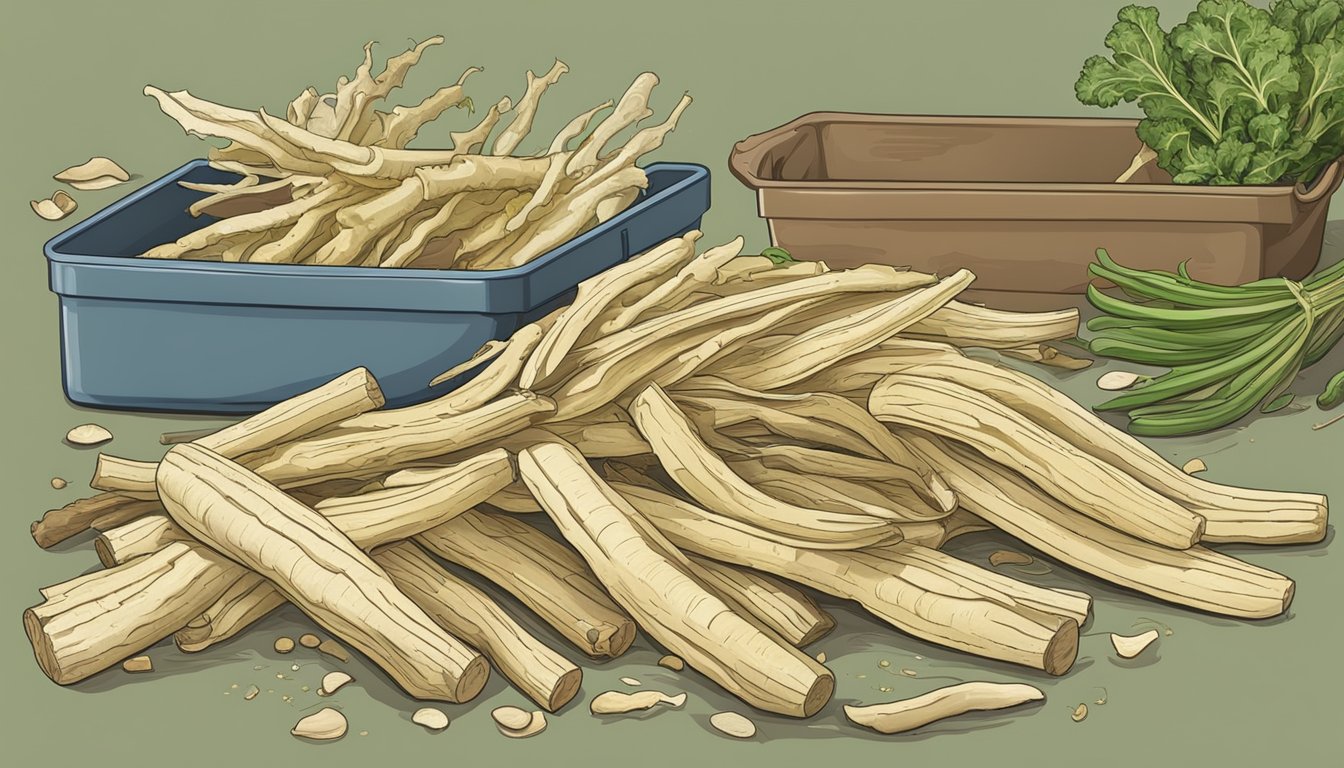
[1215,691]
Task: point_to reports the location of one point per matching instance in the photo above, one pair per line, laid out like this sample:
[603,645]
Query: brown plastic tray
[1024,202]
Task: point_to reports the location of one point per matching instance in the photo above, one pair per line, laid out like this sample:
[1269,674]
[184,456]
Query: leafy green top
[1234,95]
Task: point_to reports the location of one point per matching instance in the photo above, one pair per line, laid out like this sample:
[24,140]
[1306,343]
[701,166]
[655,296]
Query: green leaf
[778,256]
[1311,20]
[1232,157]
[1250,57]
[1142,69]
[1278,403]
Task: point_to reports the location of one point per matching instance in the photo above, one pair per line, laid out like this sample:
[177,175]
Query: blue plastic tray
[212,337]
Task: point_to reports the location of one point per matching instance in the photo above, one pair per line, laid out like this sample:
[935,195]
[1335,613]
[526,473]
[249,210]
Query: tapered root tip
[818,631]
[1062,649]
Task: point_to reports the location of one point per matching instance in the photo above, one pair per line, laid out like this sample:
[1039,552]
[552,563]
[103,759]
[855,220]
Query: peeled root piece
[618,702]
[1129,646]
[55,208]
[324,725]
[97,173]
[909,714]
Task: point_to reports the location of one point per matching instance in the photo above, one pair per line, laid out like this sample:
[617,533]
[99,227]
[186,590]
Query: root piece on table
[909,714]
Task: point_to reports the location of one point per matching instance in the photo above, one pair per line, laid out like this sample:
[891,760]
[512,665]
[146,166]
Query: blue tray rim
[51,249]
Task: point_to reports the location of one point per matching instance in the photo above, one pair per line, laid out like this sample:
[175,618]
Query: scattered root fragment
[1079,714]
[252,692]
[309,640]
[1118,380]
[1102,698]
[630,681]
[1194,465]
[909,714]
[1129,646]
[97,173]
[284,644]
[332,682]
[334,650]
[733,724]
[909,672]
[431,718]
[1009,557]
[618,702]
[673,663]
[138,664]
[511,718]
[1325,424]
[58,483]
[518,723]
[323,725]
[55,208]
[185,436]
[88,434]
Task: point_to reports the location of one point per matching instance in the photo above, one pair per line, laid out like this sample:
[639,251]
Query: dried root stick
[1231,514]
[344,397]
[1092,487]
[526,112]
[709,480]
[1196,577]
[779,606]
[597,295]
[916,597]
[88,630]
[630,560]
[547,577]
[319,569]
[466,612]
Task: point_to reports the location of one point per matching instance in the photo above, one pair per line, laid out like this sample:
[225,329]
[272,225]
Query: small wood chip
[55,208]
[284,644]
[332,682]
[138,664]
[821,657]
[186,436]
[1079,714]
[97,173]
[1129,646]
[88,434]
[884,663]
[512,718]
[58,483]
[252,692]
[334,650]
[909,672]
[310,640]
[1194,465]
[517,723]
[672,662]
[630,681]
[323,725]
[733,724]
[619,702]
[431,718]
[1009,557]
[1117,380]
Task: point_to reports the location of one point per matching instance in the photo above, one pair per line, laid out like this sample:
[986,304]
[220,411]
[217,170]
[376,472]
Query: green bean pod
[1333,394]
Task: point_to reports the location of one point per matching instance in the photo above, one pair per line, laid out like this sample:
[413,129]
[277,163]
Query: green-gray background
[1213,692]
